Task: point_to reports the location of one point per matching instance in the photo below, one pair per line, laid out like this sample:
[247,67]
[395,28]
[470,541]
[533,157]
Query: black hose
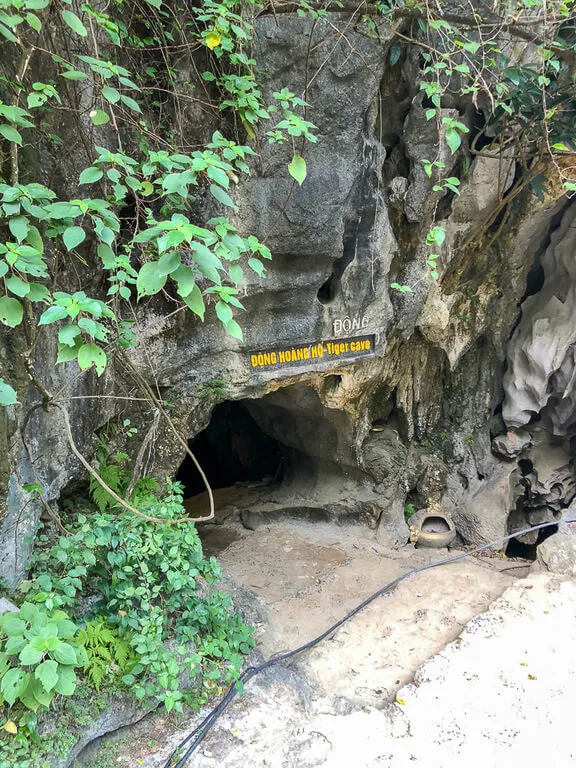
[206,724]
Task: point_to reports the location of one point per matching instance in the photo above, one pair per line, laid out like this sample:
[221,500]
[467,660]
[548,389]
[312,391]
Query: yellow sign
[322,351]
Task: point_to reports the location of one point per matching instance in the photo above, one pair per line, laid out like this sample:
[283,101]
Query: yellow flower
[213,40]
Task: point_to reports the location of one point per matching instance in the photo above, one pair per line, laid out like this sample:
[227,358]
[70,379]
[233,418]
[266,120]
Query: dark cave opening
[232,449]
[517,548]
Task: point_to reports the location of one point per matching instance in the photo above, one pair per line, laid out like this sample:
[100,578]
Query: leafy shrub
[151,590]
[40,653]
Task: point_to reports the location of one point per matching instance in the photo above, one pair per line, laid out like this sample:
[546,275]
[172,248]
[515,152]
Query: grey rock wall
[410,422]
[542,352]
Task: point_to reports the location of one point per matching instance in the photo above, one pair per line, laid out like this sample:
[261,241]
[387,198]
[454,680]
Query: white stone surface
[504,693]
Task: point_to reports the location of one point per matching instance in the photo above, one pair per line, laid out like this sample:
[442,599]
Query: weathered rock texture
[412,423]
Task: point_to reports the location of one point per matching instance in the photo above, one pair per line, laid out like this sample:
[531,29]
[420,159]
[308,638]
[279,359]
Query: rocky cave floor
[472,661]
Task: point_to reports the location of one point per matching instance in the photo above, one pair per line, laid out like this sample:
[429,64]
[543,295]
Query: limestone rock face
[541,354]
[375,399]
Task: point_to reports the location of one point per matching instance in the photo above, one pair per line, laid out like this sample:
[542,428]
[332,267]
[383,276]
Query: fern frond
[115,478]
[122,652]
[97,673]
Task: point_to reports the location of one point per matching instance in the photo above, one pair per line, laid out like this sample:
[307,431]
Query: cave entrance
[232,449]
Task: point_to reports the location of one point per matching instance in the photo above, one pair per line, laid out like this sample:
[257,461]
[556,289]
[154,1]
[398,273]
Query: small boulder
[511,445]
[558,553]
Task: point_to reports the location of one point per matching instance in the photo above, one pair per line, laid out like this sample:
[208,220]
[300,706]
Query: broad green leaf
[66,684]
[4,665]
[11,624]
[67,335]
[169,262]
[93,328]
[38,292]
[52,314]
[66,628]
[30,655]
[185,279]
[47,673]
[176,183]
[453,139]
[74,23]
[107,255]
[111,94]
[73,236]
[99,117]
[170,240]
[235,303]
[223,312]
[89,354]
[130,103]
[5,32]
[27,696]
[133,183]
[234,330]
[90,175]
[222,196]
[63,210]
[11,134]
[11,311]
[14,645]
[74,74]
[65,654]
[34,238]
[66,353]
[236,273]
[18,287]
[436,236]
[208,263]
[3,268]
[38,692]
[13,684]
[150,279]
[19,226]
[257,266]
[8,395]
[195,301]
[297,169]
[218,175]
[35,100]
[34,21]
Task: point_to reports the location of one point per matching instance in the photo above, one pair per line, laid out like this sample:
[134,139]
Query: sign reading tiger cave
[298,355]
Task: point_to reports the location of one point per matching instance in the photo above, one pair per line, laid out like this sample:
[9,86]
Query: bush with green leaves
[39,658]
[152,590]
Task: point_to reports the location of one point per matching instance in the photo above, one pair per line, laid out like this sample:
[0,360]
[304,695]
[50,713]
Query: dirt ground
[299,579]
[310,575]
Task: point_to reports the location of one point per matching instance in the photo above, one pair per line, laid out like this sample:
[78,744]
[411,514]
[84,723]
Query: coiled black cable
[206,724]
